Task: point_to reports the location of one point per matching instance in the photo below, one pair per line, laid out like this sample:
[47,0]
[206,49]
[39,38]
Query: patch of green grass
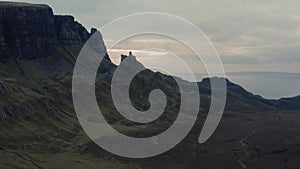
[69,160]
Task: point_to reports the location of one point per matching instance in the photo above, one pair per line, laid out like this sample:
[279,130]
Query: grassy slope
[42,130]
[41,122]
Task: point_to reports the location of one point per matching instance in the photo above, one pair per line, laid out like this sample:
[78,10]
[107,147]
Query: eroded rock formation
[32,31]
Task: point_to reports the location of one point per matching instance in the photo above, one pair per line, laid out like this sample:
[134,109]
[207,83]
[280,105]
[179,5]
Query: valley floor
[242,141]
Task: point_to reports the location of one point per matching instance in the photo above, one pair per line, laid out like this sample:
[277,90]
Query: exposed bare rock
[23,33]
[32,31]
[69,31]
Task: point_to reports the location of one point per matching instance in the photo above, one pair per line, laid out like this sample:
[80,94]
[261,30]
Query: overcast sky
[250,35]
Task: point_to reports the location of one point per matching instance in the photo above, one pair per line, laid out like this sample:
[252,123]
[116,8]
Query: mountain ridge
[66,43]
[40,129]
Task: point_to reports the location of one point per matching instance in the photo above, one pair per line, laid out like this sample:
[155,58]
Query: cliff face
[26,31]
[70,32]
[32,31]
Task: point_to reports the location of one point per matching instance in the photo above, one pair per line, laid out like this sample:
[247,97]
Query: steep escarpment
[33,31]
[69,31]
[26,31]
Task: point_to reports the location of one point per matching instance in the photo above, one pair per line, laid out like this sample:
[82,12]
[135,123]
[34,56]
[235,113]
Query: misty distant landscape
[39,129]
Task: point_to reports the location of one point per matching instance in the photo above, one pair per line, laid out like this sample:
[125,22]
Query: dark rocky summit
[69,31]
[32,31]
[123,57]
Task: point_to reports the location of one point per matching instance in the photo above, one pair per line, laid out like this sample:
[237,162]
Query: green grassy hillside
[39,128]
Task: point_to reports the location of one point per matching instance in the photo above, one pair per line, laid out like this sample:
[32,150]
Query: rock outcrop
[26,30]
[69,31]
[129,62]
[123,57]
[33,31]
